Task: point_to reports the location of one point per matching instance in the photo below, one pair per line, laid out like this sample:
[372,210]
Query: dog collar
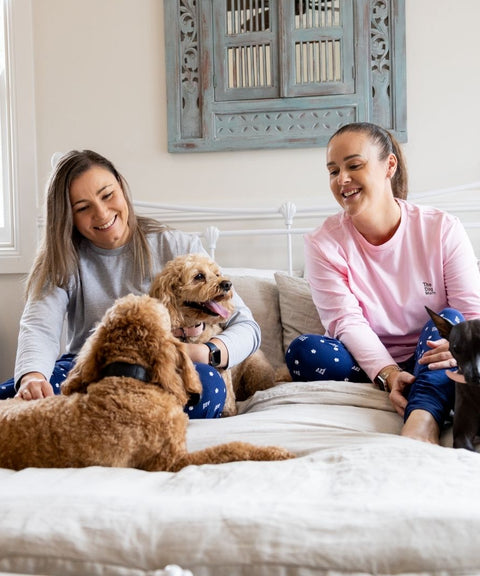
[125,369]
[189,331]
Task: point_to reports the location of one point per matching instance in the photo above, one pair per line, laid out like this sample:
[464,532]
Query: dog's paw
[284,454]
[276,453]
[282,374]
[230,410]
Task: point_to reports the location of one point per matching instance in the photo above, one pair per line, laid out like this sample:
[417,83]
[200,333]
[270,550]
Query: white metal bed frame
[287,215]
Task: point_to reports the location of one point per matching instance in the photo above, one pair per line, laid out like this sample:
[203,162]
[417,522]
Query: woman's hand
[198,353]
[201,354]
[398,381]
[33,386]
[439,357]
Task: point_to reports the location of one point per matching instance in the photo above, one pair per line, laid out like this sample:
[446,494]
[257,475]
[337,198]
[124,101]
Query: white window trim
[17,255]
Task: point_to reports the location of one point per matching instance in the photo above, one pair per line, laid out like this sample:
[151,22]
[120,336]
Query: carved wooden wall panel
[281,73]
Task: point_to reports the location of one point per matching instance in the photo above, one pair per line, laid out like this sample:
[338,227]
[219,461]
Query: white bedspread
[359,499]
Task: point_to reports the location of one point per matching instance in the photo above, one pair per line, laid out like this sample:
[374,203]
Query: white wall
[100,83]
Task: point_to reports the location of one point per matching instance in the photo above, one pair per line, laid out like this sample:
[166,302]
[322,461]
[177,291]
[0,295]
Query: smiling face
[359,179]
[99,208]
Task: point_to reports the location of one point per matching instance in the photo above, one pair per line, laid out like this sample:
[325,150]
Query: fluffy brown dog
[106,419]
[199,299]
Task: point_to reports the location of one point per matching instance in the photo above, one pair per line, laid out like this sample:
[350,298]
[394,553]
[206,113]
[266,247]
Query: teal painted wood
[319,55]
[245,61]
[398,79]
[222,97]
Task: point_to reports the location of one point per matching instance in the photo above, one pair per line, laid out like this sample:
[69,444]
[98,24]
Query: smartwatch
[381,379]
[215,355]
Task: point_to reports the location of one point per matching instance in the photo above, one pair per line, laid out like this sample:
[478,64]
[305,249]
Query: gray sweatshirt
[104,276]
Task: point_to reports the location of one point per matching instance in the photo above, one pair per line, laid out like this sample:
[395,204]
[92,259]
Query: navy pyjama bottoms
[210,404]
[315,357]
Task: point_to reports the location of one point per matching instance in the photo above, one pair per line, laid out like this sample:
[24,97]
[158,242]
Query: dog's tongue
[217,308]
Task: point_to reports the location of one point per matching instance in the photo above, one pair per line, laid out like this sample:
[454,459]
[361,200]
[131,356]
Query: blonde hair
[387,144]
[56,260]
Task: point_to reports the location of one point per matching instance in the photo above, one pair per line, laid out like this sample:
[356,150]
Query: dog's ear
[443,325]
[173,370]
[187,371]
[87,366]
[163,288]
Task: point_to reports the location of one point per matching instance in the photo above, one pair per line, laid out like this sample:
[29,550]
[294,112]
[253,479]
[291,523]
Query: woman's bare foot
[421,425]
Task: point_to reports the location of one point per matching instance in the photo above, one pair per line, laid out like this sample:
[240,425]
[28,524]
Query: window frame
[197,122]
[17,251]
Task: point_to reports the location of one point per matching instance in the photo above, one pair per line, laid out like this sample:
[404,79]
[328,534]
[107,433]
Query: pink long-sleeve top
[373,298]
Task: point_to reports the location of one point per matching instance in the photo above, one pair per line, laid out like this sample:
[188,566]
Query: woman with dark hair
[96,249]
[373,268]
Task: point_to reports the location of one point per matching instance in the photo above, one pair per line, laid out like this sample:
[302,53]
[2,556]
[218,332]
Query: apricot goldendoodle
[106,419]
[198,298]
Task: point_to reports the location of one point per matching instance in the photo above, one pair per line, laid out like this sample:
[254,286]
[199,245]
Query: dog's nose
[225,285]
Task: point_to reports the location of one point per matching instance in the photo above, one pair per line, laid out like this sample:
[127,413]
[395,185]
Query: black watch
[215,355]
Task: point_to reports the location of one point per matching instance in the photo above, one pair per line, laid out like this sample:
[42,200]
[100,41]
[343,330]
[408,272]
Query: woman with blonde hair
[96,249]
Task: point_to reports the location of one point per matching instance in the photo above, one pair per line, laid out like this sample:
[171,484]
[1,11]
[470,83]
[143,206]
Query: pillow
[261,296]
[297,310]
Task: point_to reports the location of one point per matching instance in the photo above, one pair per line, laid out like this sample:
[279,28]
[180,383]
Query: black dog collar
[125,369]
[139,373]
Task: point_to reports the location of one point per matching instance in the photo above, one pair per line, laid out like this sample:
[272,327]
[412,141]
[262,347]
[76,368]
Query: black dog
[464,339]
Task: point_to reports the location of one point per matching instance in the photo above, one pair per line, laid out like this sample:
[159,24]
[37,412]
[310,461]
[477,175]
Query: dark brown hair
[387,144]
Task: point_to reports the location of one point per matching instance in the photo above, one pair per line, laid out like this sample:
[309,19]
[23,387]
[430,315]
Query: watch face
[215,355]
[381,382]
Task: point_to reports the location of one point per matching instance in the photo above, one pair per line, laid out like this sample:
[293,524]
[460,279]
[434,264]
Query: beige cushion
[297,310]
[261,296]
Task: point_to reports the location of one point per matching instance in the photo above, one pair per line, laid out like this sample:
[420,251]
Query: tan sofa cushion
[260,294]
[297,310]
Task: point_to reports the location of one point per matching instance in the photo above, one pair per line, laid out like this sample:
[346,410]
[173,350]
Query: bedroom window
[17,138]
[5,200]
[281,73]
